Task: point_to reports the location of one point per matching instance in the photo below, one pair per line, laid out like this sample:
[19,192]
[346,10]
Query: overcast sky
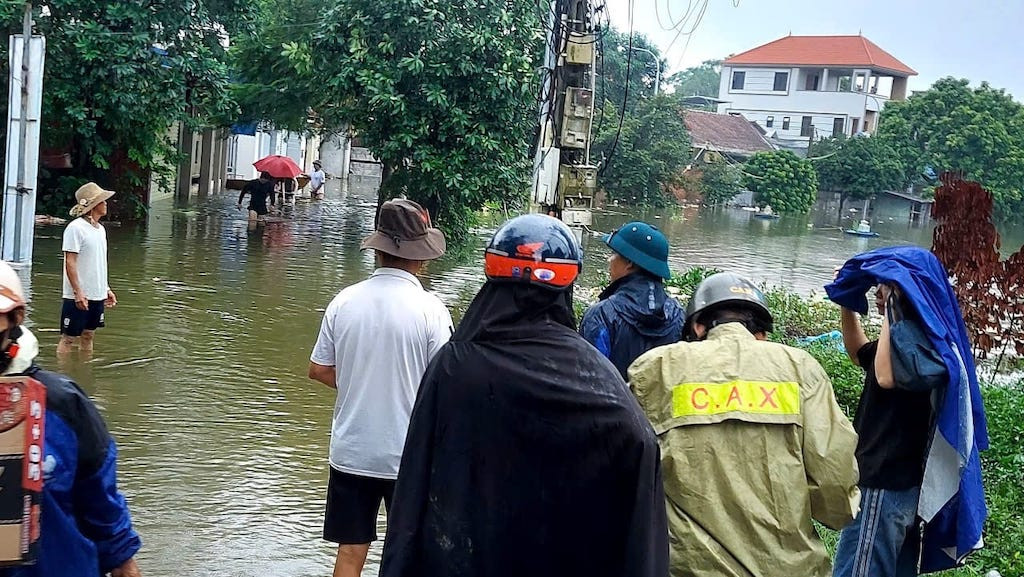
[974,39]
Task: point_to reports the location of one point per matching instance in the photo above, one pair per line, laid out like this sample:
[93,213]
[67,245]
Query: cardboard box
[22,417]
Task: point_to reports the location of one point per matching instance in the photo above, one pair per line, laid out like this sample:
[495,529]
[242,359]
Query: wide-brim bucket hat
[404,231]
[87,197]
[643,245]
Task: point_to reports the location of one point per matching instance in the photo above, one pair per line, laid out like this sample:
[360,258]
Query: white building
[799,87]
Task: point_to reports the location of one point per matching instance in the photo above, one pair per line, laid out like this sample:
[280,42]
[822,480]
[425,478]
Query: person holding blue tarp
[920,419]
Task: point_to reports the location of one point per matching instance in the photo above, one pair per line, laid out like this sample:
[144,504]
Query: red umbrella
[278,166]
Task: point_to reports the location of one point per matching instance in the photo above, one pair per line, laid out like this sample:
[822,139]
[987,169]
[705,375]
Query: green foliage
[652,150]
[720,182]
[1003,475]
[782,180]
[682,284]
[611,79]
[979,132]
[111,97]
[700,80]
[442,95]
[857,168]
[797,317]
[274,66]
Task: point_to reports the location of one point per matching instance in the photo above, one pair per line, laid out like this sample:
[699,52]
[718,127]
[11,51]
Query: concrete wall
[757,100]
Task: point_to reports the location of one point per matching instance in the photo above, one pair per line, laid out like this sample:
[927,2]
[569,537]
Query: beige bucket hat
[87,197]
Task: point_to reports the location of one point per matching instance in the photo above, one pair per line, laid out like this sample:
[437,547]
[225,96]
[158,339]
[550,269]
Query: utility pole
[18,218]
[564,179]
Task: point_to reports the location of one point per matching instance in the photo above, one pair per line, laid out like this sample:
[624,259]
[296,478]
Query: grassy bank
[797,317]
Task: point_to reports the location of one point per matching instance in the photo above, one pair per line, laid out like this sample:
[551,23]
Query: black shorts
[74,321]
[352,505]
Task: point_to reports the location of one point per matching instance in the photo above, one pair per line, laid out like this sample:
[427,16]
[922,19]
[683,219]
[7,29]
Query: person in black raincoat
[526,453]
[634,314]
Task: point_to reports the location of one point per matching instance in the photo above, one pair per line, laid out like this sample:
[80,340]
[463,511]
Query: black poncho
[526,455]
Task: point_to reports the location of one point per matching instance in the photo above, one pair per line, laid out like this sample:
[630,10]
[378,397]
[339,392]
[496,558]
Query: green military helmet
[725,288]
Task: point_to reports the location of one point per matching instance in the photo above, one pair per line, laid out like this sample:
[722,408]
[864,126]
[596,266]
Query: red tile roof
[845,51]
[724,133]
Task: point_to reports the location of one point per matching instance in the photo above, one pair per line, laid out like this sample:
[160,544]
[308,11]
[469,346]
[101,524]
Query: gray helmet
[726,288]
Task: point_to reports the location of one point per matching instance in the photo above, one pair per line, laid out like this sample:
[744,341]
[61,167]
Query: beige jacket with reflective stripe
[753,446]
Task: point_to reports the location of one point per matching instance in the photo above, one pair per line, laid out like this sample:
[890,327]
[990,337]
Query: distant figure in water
[259,190]
[864,226]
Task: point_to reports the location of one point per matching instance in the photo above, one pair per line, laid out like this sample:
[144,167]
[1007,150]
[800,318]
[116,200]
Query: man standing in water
[259,191]
[316,181]
[375,342]
[86,292]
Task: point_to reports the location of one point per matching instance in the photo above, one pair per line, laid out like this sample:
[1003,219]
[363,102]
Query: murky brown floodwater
[201,371]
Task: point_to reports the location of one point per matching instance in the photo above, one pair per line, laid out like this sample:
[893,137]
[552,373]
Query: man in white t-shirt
[86,292]
[375,342]
[316,181]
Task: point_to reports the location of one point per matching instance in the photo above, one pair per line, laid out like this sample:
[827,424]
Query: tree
[119,74]
[643,70]
[652,150]
[857,168]
[703,80]
[978,132]
[442,95]
[274,67]
[781,180]
[720,182]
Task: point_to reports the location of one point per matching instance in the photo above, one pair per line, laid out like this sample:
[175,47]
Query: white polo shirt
[379,335]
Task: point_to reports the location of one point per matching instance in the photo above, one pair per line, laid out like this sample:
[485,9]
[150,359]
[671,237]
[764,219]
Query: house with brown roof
[723,135]
[803,87]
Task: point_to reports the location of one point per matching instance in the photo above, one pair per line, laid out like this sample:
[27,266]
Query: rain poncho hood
[633,316]
[952,500]
[526,454]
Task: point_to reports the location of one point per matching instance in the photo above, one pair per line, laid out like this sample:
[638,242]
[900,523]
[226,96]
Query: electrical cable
[625,95]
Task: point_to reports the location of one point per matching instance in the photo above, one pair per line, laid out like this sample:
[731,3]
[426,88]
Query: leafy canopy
[443,95]
[781,180]
[119,74]
[652,151]
[720,182]
[951,126]
[702,80]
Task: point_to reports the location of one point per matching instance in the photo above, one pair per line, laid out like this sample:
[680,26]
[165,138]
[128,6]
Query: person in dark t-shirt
[259,190]
[894,426]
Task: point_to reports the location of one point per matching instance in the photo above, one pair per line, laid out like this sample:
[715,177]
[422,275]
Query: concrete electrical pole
[564,179]
[22,163]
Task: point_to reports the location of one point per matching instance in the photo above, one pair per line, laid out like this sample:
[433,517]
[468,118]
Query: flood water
[200,372]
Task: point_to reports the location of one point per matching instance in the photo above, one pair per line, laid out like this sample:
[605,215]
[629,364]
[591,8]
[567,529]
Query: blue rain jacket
[86,529]
[633,316]
[952,502]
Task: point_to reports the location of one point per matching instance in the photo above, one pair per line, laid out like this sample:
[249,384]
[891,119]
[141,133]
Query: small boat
[767,216]
[867,234]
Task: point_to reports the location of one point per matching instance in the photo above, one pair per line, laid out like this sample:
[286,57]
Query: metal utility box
[576,187]
[576,117]
[580,49]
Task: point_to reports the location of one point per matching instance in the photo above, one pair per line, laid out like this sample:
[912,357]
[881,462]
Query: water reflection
[201,370]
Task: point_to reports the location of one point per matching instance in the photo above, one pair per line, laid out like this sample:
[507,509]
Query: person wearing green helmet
[634,314]
[753,443]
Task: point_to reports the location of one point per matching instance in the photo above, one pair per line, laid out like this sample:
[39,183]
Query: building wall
[758,100]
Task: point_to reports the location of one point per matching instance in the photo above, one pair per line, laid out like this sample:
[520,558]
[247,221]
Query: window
[785,123]
[854,125]
[781,81]
[806,128]
[770,121]
[837,126]
[859,82]
[812,82]
[738,79]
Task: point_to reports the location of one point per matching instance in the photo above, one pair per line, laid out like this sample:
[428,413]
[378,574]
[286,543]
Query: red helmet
[534,248]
